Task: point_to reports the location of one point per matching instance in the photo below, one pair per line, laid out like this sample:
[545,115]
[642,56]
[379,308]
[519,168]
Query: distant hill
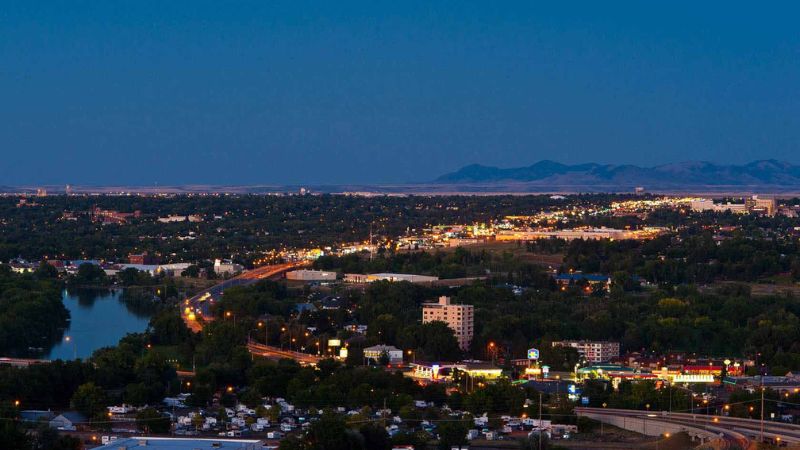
[685,175]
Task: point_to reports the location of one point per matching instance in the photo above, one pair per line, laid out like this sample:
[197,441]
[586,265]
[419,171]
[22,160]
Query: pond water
[99,318]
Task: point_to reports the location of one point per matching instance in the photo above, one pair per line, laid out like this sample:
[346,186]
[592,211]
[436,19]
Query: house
[67,421]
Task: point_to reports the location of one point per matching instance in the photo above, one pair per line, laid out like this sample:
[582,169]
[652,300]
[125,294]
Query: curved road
[269,351]
[733,430]
[196,310]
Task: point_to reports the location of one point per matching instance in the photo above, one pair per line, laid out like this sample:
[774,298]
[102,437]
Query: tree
[90,275]
[66,443]
[330,432]
[435,339]
[134,277]
[532,442]
[192,271]
[150,420]
[46,271]
[168,328]
[453,434]
[13,436]
[375,437]
[89,400]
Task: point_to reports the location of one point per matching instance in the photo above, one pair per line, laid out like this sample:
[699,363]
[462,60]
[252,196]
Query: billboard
[533,354]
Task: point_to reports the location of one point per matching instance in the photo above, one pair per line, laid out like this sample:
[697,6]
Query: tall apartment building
[593,351]
[460,318]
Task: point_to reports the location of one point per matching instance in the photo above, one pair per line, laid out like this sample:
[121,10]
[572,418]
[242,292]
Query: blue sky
[172,92]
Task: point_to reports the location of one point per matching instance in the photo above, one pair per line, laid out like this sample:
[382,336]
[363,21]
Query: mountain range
[690,175]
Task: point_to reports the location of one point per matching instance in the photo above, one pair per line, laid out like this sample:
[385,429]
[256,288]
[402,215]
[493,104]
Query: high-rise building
[460,318]
[593,351]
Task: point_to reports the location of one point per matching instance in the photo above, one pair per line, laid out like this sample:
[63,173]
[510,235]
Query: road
[199,306]
[734,432]
[277,353]
[197,309]
[22,362]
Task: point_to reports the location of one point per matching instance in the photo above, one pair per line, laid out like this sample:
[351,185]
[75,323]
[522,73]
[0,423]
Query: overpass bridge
[726,432]
[268,351]
[197,309]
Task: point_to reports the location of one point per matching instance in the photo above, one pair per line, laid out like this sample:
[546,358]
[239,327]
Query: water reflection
[100,318]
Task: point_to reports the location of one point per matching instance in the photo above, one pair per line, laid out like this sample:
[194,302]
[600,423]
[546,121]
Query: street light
[68,340]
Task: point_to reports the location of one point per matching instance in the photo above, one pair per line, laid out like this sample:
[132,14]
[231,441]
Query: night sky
[221,92]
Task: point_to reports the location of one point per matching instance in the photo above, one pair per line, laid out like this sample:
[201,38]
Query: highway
[197,309]
[734,432]
[22,362]
[269,351]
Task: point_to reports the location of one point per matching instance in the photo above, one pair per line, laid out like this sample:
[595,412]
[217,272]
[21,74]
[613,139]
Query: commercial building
[311,275]
[172,269]
[175,218]
[576,233]
[754,204]
[226,267]
[762,205]
[593,351]
[143,259]
[566,279]
[443,371]
[376,352]
[702,205]
[164,443]
[460,318]
[411,278]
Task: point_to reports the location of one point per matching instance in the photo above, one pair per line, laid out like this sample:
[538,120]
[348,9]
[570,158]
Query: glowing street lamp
[68,339]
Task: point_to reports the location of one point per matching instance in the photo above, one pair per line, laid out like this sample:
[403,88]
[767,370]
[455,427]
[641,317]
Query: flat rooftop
[163,443]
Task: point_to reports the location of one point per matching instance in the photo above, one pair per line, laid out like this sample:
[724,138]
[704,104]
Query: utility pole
[761,436]
[670,398]
[383,413]
[371,248]
[540,420]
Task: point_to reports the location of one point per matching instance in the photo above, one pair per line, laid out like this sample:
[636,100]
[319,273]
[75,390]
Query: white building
[593,351]
[173,269]
[362,278]
[375,353]
[704,204]
[172,219]
[460,319]
[226,267]
[576,233]
[311,275]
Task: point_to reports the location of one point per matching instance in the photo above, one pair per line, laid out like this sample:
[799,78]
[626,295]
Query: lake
[99,318]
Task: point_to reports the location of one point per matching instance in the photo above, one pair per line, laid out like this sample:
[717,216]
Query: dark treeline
[686,257]
[244,224]
[31,312]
